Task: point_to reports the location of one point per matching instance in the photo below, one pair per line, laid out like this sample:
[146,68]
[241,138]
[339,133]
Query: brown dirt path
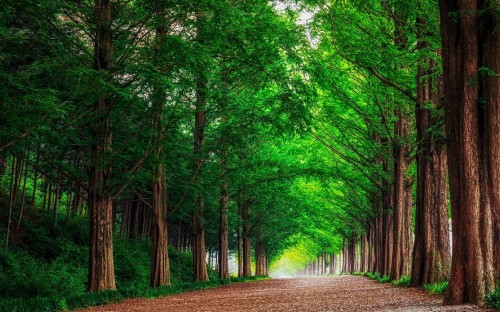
[339,293]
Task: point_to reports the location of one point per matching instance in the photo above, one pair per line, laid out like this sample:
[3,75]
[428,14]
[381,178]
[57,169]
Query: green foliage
[378,277]
[47,271]
[404,281]
[437,288]
[493,299]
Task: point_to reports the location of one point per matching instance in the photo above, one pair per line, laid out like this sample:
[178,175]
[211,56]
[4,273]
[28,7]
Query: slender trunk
[247,243]
[223,222]
[471,49]
[100,203]
[45,191]
[23,197]
[401,225]
[198,219]
[11,202]
[57,202]
[33,194]
[240,237]
[17,180]
[240,252]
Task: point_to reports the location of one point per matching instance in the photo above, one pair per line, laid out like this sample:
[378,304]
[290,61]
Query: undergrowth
[45,269]
[437,288]
[493,299]
[378,277]
[404,281]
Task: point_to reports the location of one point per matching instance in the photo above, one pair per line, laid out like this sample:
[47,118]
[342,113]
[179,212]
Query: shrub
[404,281]
[384,279]
[493,299]
[437,288]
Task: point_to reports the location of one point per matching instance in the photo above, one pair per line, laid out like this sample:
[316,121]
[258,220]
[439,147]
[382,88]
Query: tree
[101,268]
[471,63]
[431,253]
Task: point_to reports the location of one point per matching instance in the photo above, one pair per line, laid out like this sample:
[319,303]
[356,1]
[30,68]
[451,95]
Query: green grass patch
[437,288]
[378,277]
[493,299]
[404,281]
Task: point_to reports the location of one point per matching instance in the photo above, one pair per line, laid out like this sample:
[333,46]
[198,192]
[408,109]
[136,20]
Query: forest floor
[338,293]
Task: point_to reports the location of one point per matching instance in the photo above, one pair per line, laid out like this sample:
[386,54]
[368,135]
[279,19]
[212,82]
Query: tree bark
[431,253]
[401,209]
[198,220]
[260,259]
[223,222]
[471,63]
[101,267]
[247,242]
[160,267]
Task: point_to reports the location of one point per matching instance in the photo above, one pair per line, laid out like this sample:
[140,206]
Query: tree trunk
[471,62]
[160,268]
[101,267]
[431,253]
[11,202]
[23,197]
[401,209]
[247,243]
[198,220]
[260,259]
[240,243]
[223,222]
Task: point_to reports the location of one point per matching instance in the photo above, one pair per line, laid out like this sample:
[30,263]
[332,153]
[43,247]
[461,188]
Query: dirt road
[339,293]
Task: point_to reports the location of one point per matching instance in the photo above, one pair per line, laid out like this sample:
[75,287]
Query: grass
[437,288]
[45,268]
[493,299]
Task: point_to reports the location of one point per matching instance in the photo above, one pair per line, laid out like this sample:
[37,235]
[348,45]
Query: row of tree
[110,106]
[419,116]
[233,126]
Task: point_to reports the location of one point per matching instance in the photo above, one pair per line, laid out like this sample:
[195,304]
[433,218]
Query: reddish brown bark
[247,243]
[223,230]
[160,267]
[223,212]
[471,50]
[261,264]
[402,200]
[101,267]
[431,253]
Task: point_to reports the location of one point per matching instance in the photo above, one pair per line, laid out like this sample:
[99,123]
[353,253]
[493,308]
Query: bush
[437,288]
[493,299]
[379,278]
[404,281]
[46,269]
[384,279]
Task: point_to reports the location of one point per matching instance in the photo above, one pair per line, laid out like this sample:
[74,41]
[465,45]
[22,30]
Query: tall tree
[160,269]
[471,63]
[101,268]
[431,252]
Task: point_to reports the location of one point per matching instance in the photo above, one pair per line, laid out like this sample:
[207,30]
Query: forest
[150,147]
